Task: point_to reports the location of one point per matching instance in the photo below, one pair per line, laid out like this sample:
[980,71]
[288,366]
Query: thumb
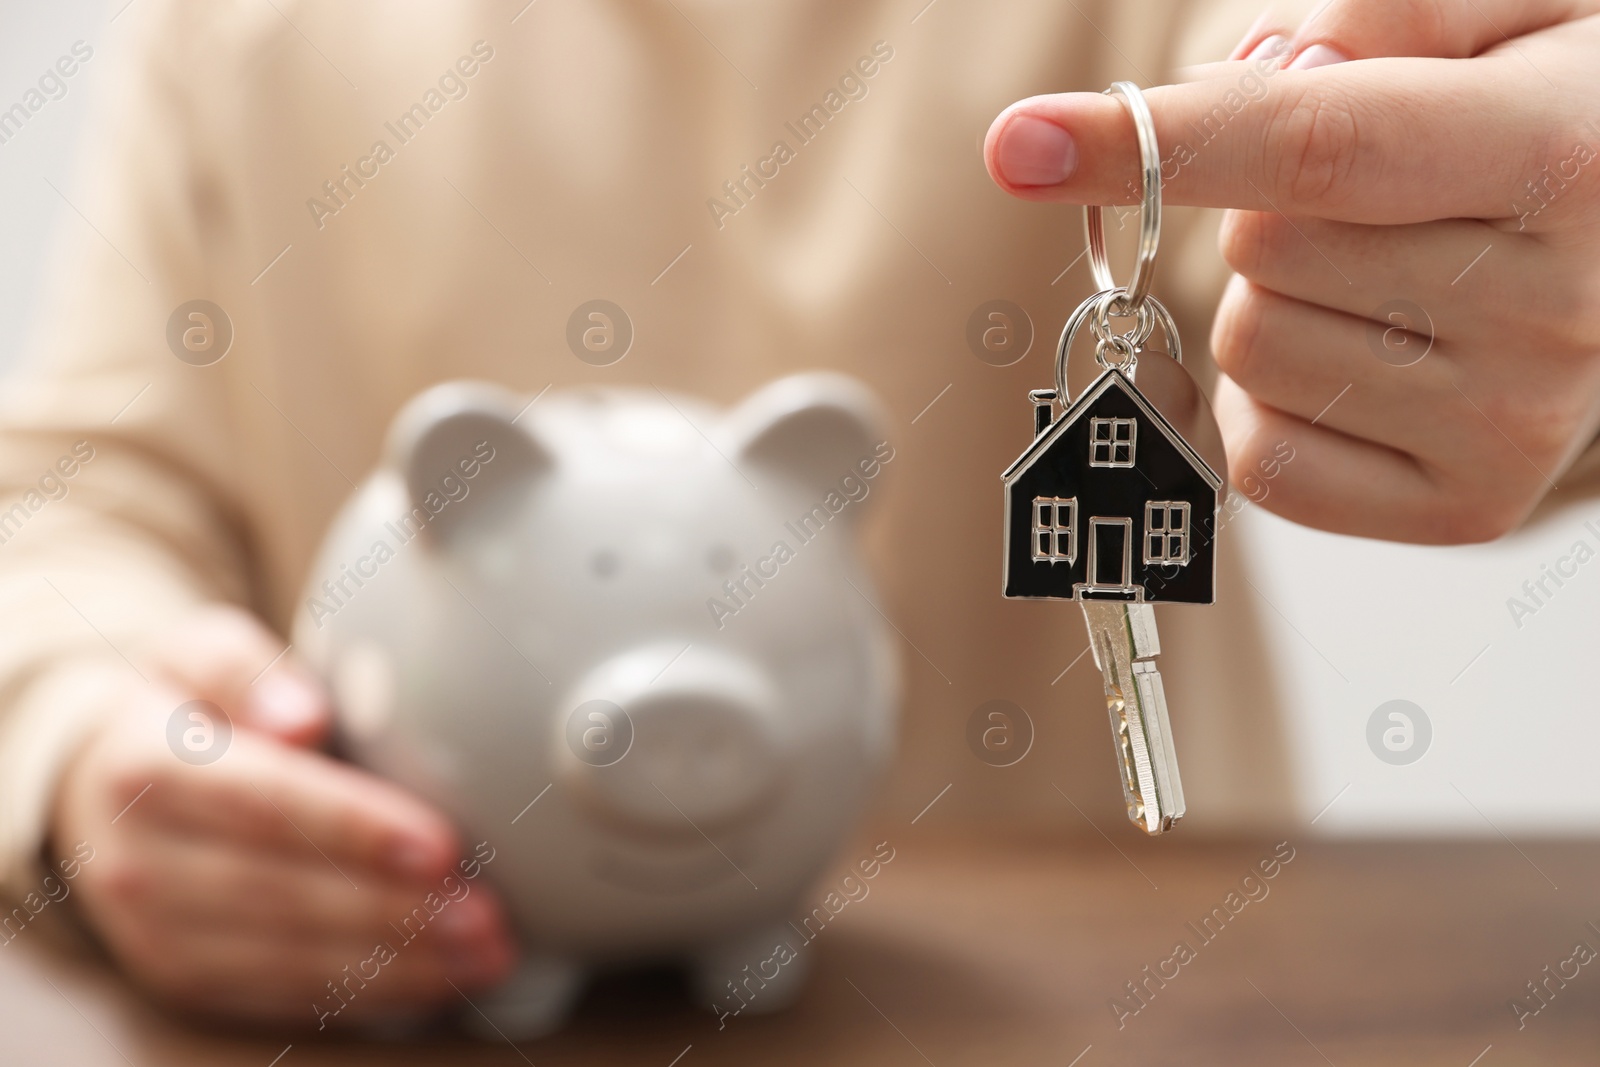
[227,656]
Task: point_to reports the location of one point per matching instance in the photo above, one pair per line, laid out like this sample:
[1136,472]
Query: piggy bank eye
[604,563]
[719,559]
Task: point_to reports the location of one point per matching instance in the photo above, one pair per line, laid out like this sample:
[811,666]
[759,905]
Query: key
[1114,502]
[1124,642]
[1114,505]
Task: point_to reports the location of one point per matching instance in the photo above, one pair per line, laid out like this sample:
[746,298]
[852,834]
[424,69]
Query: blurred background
[1440,744]
[42,152]
[1510,699]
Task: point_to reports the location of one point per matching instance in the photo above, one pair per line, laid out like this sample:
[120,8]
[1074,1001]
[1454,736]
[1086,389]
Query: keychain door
[1111,554]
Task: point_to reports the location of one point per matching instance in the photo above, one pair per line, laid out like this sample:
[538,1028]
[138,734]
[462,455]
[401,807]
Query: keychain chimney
[1042,401]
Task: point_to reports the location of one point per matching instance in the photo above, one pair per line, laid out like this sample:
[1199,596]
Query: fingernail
[463,921]
[1263,20]
[1033,151]
[1274,47]
[282,702]
[1318,55]
[415,859]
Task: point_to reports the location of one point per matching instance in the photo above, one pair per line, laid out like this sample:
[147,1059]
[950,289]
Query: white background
[33,35]
[1515,731]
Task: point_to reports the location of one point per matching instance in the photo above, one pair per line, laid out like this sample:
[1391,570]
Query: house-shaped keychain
[1110,502]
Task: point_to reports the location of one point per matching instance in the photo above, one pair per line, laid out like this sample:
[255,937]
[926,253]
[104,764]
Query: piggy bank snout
[672,741]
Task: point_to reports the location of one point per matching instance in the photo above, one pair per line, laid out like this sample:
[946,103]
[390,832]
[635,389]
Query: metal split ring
[1107,306]
[1127,354]
[1138,288]
[1130,344]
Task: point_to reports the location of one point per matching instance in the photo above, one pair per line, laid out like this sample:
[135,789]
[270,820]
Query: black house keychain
[1113,505]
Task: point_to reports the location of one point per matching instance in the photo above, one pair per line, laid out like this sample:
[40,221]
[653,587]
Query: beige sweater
[383,196]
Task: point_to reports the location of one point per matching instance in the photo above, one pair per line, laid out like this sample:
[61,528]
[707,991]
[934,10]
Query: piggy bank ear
[464,461]
[815,429]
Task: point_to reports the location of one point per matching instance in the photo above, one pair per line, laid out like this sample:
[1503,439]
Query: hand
[244,886]
[1465,182]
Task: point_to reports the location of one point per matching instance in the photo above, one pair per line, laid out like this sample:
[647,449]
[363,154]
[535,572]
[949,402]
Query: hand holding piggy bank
[626,641]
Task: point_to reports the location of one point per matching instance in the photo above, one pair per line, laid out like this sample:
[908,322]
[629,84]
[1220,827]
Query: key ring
[1150,314]
[1106,305]
[1144,125]
[1113,506]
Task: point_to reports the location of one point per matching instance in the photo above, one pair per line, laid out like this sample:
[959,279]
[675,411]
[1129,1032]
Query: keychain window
[1055,529]
[1166,527]
[1111,442]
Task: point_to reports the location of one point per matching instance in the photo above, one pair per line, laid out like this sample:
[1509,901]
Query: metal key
[1122,465]
[1123,639]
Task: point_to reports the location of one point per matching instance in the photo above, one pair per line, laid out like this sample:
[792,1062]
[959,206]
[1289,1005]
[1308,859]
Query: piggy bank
[625,641]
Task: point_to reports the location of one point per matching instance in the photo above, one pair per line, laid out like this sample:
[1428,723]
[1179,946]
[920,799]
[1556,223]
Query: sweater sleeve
[114,518]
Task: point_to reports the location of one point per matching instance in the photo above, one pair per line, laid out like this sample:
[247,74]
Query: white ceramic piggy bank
[614,635]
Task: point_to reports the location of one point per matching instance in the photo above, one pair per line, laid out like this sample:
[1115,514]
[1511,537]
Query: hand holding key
[1465,180]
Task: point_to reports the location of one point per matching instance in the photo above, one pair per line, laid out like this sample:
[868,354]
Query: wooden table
[977,949]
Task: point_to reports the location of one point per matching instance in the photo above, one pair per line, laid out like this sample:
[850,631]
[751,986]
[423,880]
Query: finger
[225,655]
[1335,482]
[217,885]
[303,803]
[1269,26]
[1368,29]
[1319,365]
[272,978]
[1445,267]
[1384,141]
